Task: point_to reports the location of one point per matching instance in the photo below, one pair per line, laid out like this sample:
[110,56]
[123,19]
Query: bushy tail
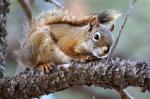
[108,16]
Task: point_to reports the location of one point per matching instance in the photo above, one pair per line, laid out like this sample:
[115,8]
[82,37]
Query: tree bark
[115,73]
[3,44]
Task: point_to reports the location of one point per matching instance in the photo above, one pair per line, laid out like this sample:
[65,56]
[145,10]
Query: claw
[47,67]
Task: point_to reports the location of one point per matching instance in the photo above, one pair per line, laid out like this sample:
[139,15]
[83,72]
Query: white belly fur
[61,57]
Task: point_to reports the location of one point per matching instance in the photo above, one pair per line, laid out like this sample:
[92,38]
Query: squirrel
[58,37]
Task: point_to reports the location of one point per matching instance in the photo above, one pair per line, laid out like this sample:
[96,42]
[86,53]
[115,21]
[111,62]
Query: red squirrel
[57,37]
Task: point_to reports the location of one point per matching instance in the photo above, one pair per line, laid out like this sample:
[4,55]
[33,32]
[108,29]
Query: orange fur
[56,37]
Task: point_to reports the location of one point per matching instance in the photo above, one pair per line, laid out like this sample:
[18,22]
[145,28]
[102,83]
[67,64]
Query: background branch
[3,12]
[122,27]
[25,8]
[55,3]
[116,73]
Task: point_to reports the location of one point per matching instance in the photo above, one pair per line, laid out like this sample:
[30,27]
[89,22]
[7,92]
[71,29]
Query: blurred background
[134,42]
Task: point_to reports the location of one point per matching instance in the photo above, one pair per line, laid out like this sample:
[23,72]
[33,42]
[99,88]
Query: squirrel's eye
[96,36]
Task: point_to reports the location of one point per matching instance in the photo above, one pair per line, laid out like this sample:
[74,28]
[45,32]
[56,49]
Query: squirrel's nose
[106,49]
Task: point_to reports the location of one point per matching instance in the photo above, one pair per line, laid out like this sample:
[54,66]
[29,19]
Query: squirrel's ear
[112,28]
[94,21]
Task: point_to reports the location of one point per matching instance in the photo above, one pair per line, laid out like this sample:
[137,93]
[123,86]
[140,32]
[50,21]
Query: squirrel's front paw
[47,67]
[84,59]
[90,58]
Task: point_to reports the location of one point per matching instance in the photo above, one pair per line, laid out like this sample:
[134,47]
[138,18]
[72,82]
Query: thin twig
[25,8]
[124,94]
[56,3]
[122,27]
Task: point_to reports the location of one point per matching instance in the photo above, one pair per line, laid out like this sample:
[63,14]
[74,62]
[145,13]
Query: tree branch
[115,73]
[26,9]
[3,12]
[55,3]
